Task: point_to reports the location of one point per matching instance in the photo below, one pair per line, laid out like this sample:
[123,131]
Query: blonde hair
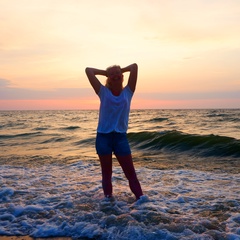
[108,82]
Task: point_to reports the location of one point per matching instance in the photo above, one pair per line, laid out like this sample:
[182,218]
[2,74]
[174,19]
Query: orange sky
[188,51]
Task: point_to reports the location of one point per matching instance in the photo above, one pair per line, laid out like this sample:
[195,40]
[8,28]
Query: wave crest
[203,145]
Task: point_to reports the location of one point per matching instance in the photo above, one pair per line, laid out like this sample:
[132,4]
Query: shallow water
[66,200]
[186,160]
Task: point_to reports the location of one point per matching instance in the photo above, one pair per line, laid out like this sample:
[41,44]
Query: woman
[113,123]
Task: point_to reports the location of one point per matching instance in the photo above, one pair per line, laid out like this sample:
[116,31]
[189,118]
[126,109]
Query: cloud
[4,83]
[190,22]
[189,95]
[9,93]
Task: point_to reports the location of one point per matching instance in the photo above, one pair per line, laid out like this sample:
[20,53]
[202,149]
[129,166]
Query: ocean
[187,161]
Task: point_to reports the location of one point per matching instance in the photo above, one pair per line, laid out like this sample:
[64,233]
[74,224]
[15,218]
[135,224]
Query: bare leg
[130,173]
[106,166]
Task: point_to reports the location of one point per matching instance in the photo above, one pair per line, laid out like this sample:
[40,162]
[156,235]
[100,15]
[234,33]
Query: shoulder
[103,90]
[128,90]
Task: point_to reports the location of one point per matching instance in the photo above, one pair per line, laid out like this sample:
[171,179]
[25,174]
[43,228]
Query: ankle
[108,196]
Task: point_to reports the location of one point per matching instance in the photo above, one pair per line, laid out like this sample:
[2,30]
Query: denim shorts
[114,142]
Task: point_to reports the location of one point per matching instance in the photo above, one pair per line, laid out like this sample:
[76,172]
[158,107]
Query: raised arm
[132,81]
[91,74]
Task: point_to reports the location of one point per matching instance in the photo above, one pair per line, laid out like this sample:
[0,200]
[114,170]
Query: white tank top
[114,110]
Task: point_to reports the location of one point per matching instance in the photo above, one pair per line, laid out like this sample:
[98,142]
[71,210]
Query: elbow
[135,65]
[86,69]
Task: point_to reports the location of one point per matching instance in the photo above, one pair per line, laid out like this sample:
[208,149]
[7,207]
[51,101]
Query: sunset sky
[188,51]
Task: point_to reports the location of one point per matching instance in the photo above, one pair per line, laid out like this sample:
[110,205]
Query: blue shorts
[108,143]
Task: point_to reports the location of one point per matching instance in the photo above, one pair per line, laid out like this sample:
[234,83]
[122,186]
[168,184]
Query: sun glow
[189,47]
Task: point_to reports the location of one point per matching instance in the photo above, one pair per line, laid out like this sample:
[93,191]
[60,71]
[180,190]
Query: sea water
[187,161]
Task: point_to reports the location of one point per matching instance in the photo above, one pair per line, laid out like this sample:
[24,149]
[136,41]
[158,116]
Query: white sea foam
[67,200]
